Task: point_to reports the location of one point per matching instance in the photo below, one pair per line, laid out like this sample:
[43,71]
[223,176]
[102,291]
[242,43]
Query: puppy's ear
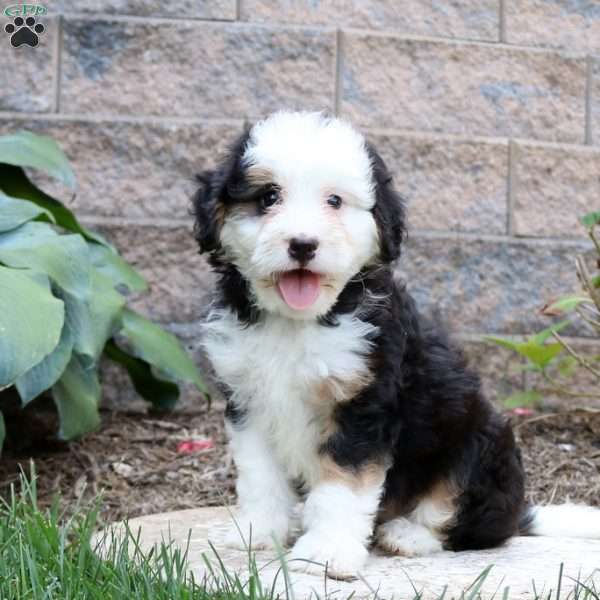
[388,210]
[212,197]
[209,217]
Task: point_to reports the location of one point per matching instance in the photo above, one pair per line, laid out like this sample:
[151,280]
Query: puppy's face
[295,209]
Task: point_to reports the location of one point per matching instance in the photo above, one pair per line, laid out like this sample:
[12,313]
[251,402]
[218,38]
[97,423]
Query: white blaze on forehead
[310,151]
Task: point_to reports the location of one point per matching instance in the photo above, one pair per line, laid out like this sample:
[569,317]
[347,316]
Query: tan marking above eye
[259,176]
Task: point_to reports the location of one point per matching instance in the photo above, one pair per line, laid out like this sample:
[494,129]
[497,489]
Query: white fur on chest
[277,370]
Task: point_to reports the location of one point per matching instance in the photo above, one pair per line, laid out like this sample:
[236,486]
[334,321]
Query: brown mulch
[561,453]
[133,460]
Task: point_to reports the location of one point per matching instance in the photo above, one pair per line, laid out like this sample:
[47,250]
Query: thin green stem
[580,359]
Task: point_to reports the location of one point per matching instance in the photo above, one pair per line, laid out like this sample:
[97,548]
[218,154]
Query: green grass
[44,555]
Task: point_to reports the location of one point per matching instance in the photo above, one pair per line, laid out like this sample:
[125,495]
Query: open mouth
[299,288]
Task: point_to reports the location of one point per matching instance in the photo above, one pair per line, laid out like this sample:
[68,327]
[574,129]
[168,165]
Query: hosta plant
[548,354]
[63,301]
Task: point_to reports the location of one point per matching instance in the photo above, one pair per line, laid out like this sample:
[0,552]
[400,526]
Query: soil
[138,462]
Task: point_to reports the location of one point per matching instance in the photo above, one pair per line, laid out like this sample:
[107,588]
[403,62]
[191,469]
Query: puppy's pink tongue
[299,288]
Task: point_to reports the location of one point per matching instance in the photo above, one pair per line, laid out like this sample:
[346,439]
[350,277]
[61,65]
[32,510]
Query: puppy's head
[301,205]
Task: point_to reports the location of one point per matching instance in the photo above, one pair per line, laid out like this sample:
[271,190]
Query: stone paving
[513,566]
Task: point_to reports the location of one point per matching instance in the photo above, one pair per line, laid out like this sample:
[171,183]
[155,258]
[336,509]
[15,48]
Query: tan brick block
[459,18]
[449,184]
[183,9]
[490,285]
[570,24]
[194,69]
[553,187]
[462,88]
[133,170]
[27,74]
[179,280]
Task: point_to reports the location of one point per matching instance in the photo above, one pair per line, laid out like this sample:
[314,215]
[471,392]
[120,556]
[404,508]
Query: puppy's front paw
[343,556]
[258,533]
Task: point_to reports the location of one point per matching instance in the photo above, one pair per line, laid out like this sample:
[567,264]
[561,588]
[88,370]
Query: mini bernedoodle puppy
[339,391]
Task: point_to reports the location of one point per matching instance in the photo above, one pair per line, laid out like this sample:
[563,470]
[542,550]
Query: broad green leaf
[596,281]
[105,308]
[95,318]
[31,321]
[542,336]
[25,149]
[14,182]
[63,258]
[591,219]
[504,342]
[2,432]
[564,305]
[534,349]
[540,355]
[525,398]
[160,392]
[160,348]
[77,396]
[47,372]
[14,212]
[108,262]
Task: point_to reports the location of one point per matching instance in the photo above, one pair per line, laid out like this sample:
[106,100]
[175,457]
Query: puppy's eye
[270,197]
[334,200]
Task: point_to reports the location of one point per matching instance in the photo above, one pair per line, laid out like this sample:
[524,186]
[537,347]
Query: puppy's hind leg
[422,531]
[404,537]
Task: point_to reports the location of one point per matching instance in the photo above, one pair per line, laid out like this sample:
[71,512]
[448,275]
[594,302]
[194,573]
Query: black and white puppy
[338,390]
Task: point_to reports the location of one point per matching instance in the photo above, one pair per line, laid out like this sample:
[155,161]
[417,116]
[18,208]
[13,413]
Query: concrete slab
[513,566]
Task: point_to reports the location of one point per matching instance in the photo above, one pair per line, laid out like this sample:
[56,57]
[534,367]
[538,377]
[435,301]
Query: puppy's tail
[561,520]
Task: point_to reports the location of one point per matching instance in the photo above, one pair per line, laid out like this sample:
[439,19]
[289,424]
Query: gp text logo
[25,10]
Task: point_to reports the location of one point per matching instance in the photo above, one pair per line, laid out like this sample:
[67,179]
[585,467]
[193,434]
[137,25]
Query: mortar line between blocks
[589,80]
[337,92]
[455,236]
[477,337]
[238,10]
[511,187]
[502,20]
[57,63]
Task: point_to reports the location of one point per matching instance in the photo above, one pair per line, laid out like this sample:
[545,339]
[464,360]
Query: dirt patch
[136,462]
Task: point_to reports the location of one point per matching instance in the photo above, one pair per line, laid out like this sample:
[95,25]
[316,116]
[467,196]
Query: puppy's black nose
[303,249]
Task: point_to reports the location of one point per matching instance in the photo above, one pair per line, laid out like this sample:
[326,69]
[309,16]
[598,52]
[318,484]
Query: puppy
[338,391]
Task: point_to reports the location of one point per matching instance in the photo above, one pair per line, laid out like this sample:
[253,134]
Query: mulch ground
[143,464]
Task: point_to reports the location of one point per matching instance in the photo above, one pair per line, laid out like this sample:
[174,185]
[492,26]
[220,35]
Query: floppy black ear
[388,210]
[206,210]
[211,198]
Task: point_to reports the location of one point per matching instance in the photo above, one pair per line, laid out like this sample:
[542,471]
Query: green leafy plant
[547,353]
[63,301]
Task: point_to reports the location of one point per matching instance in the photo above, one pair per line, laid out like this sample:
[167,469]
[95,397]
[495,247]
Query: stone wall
[487,112]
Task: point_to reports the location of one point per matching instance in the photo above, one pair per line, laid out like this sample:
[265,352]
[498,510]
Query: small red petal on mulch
[191,446]
[522,411]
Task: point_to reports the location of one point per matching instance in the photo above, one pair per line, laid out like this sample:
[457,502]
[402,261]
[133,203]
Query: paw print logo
[24,31]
